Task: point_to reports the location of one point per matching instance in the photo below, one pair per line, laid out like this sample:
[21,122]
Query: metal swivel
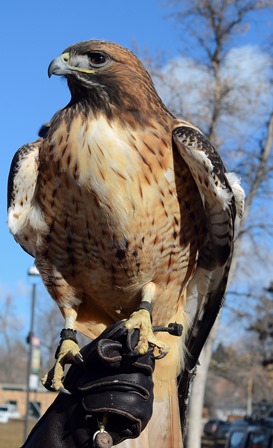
[102,439]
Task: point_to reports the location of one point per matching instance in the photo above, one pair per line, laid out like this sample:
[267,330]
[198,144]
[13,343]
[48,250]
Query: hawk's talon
[47,380]
[65,391]
[141,320]
[68,352]
[160,356]
[79,358]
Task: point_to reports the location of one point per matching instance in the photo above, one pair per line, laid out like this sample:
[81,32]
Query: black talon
[48,387]
[160,356]
[79,358]
[65,391]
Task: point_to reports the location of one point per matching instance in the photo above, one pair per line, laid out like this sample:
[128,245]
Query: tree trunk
[195,421]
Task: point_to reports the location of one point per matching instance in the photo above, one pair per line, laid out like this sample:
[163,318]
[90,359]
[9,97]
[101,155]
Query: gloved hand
[118,392]
[113,389]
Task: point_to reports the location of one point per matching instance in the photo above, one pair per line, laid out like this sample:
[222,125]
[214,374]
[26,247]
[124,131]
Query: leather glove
[113,388]
[117,389]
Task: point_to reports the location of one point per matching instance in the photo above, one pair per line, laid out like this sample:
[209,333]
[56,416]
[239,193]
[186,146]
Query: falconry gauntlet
[111,393]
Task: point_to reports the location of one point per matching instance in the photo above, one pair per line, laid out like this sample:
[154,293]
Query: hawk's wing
[223,201]
[22,216]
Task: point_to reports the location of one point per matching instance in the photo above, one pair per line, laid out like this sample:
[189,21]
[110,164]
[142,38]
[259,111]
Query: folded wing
[223,202]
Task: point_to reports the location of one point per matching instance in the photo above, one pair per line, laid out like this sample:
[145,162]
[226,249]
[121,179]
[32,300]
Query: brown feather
[120,200]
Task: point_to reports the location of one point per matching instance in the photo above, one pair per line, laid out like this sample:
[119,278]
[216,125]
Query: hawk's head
[106,76]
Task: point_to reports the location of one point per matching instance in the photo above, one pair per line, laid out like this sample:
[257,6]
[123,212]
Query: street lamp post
[32,272]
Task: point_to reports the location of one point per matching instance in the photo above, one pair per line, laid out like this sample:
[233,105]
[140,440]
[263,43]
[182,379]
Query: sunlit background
[33,33]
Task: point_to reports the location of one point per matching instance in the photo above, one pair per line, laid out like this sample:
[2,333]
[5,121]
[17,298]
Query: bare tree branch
[210,27]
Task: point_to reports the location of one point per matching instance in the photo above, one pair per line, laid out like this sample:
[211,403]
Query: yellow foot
[141,320]
[68,352]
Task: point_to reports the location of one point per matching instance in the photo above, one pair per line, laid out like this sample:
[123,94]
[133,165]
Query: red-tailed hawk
[121,203]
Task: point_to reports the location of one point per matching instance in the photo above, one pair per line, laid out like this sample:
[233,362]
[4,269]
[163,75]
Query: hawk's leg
[67,352]
[142,320]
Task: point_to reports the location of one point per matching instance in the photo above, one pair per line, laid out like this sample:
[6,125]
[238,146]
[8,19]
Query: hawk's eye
[97,58]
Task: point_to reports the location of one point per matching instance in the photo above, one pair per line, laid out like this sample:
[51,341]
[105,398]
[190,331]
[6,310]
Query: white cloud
[187,87]
[247,66]
[247,71]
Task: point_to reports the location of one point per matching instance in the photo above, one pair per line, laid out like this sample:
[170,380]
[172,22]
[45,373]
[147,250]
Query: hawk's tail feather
[164,429]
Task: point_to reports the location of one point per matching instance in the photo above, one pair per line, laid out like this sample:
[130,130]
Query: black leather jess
[112,389]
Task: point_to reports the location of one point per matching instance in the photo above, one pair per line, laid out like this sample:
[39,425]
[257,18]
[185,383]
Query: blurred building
[15,395]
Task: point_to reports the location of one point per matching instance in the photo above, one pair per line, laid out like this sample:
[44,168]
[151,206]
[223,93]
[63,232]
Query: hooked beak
[65,65]
[59,66]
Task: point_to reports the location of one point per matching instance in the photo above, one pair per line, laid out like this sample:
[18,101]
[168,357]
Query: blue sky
[32,34]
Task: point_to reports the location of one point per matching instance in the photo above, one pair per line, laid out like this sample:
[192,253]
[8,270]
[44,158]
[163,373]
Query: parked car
[215,433]
[8,411]
[13,411]
[4,414]
[250,433]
